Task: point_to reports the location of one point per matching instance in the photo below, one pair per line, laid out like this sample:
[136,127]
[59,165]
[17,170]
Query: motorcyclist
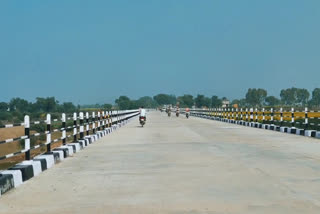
[177,111]
[187,112]
[143,113]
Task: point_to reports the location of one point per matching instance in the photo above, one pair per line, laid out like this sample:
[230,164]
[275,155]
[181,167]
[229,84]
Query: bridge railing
[288,118]
[41,136]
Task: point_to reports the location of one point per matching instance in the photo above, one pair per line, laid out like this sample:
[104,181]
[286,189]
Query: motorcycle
[169,113]
[142,121]
[187,114]
[177,114]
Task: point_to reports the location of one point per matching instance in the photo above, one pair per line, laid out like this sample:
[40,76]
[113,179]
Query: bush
[6,116]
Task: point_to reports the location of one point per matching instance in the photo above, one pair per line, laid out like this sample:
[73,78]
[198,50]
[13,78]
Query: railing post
[64,127]
[271,119]
[87,125]
[256,115]
[292,117]
[93,122]
[27,140]
[241,116]
[263,116]
[251,114]
[81,117]
[247,114]
[48,121]
[109,119]
[306,119]
[103,120]
[232,115]
[281,117]
[75,128]
[237,114]
[99,118]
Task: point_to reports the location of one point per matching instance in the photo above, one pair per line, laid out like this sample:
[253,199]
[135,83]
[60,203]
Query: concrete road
[180,166]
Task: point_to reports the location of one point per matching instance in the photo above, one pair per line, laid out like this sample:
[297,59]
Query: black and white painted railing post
[271,119]
[263,116]
[27,134]
[306,120]
[99,119]
[281,116]
[247,114]
[75,130]
[251,115]
[232,115]
[48,121]
[81,117]
[87,124]
[241,116]
[93,122]
[103,120]
[256,115]
[64,129]
[237,112]
[292,117]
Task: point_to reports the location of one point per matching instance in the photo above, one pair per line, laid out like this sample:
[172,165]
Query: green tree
[186,100]
[302,96]
[107,106]
[315,101]
[18,104]
[216,102]
[202,101]
[294,96]
[256,97]
[288,96]
[164,99]
[48,104]
[123,102]
[4,106]
[146,102]
[272,101]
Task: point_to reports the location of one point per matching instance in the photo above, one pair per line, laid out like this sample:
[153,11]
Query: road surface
[179,166]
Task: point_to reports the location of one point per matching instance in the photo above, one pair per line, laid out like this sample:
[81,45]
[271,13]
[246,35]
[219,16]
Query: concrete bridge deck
[179,165]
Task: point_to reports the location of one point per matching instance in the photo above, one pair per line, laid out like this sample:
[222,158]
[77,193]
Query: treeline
[15,110]
[294,97]
[17,107]
[255,97]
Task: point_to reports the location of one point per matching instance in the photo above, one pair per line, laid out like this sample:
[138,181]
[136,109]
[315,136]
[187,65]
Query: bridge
[179,165]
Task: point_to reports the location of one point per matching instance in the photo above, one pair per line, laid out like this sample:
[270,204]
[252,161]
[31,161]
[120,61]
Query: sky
[94,51]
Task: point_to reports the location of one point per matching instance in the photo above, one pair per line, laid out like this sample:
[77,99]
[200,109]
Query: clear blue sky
[94,51]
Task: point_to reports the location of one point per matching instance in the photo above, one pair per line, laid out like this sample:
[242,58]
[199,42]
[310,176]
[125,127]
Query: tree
[316,97]
[18,104]
[123,102]
[107,106]
[165,99]
[4,106]
[202,101]
[186,100]
[216,102]
[288,96]
[302,96]
[256,97]
[48,104]
[146,102]
[272,101]
[294,96]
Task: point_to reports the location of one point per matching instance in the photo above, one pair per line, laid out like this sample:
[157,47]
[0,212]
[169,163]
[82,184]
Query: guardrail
[305,122]
[73,132]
